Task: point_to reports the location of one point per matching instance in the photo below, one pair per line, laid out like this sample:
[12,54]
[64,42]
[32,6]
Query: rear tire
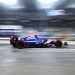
[13,40]
[58,44]
[14,45]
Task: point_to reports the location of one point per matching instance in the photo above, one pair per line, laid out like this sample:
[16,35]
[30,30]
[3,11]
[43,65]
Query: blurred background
[47,18]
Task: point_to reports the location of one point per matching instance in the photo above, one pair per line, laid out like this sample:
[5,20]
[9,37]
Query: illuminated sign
[55,12]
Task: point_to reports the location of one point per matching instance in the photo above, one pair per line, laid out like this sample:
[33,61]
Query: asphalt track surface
[37,61]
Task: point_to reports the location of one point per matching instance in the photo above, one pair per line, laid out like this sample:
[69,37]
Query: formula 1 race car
[35,42]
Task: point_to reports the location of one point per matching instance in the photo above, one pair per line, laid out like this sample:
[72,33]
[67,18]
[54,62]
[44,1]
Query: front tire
[58,44]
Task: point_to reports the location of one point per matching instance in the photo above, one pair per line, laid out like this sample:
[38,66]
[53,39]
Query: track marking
[51,50]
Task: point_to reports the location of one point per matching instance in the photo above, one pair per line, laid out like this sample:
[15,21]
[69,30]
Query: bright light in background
[72,5]
[12,4]
[46,3]
[9,2]
[16,7]
[55,12]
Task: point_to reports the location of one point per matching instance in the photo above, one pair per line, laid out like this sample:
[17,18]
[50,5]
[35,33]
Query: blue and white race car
[35,42]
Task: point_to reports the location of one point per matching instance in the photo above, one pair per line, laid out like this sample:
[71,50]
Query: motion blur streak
[50,19]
